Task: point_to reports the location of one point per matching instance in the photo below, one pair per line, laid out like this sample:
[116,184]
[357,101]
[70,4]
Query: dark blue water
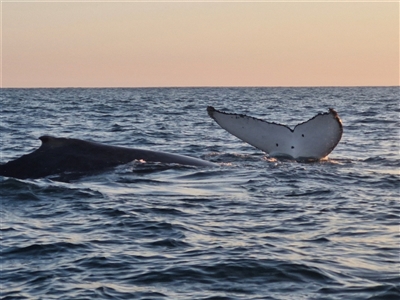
[252,228]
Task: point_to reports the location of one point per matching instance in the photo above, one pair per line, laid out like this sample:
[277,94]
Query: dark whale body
[66,155]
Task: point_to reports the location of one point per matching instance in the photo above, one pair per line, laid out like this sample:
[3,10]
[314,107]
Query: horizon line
[205,86]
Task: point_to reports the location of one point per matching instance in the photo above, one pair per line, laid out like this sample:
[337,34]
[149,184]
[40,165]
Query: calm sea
[252,228]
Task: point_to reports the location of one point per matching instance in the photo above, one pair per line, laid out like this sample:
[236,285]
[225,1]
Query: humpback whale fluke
[311,140]
[67,155]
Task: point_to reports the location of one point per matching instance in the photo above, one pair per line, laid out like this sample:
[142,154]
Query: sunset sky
[159,44]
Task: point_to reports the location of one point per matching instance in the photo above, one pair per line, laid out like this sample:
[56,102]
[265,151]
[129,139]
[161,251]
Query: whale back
[311,140]
[67,155]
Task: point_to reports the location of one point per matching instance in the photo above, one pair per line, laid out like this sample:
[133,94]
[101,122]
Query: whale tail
[311,140]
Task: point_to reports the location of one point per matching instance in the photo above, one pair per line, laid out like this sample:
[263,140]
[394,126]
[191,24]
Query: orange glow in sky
[158,44]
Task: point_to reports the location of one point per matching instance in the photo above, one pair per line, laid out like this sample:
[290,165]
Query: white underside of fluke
[311,140]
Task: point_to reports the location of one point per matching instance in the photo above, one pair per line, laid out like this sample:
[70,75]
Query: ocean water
[251,228]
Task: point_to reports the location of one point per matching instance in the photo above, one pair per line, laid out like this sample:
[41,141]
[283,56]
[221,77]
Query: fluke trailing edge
[311,140]
[65,155]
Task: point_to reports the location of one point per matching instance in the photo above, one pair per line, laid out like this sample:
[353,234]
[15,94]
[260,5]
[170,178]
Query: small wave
[309,193]
[236,271]
[43,189]
[234,157]
[100,262]
[203,174]
[127,179]
[40,250]
[380,292]
[116,128]
[375,159]
[169,243]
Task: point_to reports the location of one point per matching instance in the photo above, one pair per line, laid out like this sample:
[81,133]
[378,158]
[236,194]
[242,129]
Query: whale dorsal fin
[47,139]
[52,142]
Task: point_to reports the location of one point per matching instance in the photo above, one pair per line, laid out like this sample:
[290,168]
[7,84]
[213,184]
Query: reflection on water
[251,227]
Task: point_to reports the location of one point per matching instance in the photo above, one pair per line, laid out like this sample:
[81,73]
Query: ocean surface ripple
[252,228]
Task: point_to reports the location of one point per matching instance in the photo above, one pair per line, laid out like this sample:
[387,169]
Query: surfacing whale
[308,141]
[67,155]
